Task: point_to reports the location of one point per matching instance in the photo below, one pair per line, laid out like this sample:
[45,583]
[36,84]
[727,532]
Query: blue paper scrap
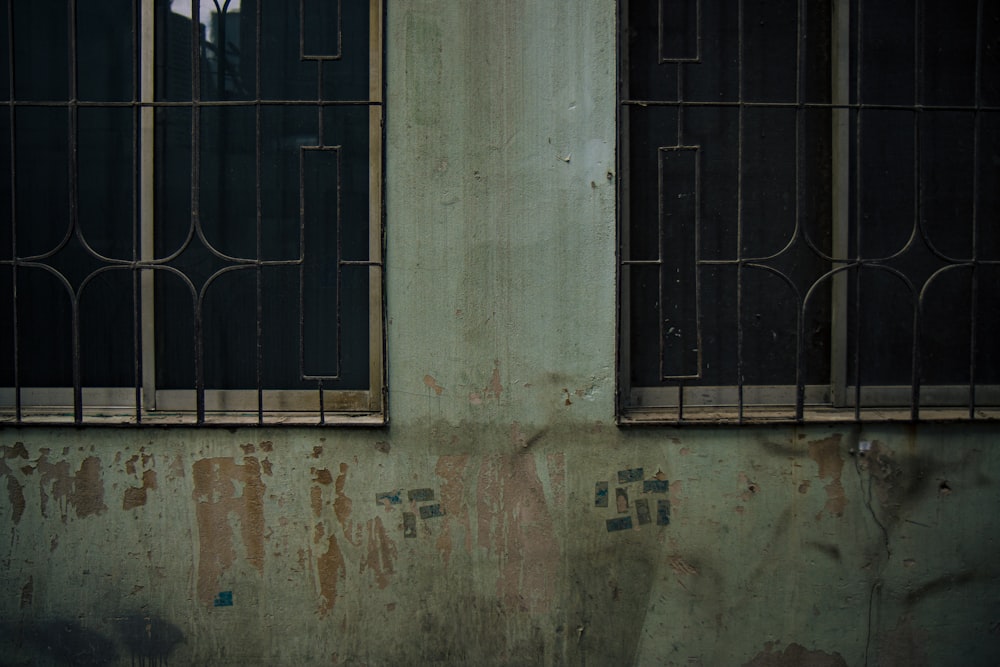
[601,494]
[630,475]
[619,523]
[420,495]
[409,524]
[394,497]
[430,511]
[656,486]
[642,511]
[662,512]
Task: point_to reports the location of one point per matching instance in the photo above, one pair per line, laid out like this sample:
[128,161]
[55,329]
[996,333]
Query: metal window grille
[808,217]
[191,221]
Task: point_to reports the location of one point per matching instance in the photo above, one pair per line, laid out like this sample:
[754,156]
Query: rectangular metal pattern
[188,123]
[845,235]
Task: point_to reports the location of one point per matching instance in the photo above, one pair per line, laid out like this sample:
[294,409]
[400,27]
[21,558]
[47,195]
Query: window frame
[146,404]
[838,401]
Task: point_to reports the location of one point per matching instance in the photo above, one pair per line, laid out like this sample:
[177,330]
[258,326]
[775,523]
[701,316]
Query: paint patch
[642,512]
[409,524]
[223,599]
[630,475]
[619,523]
[389,497]
[431,511]
[420,495]
[601,494]
[656,486]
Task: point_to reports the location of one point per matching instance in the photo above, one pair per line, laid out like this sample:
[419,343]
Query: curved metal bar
[50,269]
[941,271]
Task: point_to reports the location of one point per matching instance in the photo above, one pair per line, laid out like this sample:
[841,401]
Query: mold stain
[225,489]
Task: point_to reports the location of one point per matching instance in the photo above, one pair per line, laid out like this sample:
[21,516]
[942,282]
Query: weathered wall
[785,546]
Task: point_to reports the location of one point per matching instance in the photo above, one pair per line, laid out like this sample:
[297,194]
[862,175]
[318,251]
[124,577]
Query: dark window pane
[106,57]
[41,50]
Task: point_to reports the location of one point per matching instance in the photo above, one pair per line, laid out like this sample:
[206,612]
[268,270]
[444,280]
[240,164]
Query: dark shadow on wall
[148,639]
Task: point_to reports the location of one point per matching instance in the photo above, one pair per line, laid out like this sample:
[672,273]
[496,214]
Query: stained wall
[475,527]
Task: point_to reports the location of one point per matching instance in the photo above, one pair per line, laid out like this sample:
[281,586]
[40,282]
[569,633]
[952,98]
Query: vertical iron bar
[199,345]
[322,402]
[918,63]
[976,123]
[260,215]
[739,216]
[137,313]
[13,212]
[376,162]
[302,262]
[840,205]
[147,187]
[662,268]
[859,47]
[800,307]
[74,212]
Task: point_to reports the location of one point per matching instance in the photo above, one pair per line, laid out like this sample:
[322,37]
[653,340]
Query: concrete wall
[785,546]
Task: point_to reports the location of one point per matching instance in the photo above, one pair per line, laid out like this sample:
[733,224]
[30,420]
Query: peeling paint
[136,496]
[342,504]
[826,454]
[27,593]
[224,489]
[795,655]
[381,553]
[15,495]
[494,388]
[451,469]
[433,385]
[330,567]
[515,525]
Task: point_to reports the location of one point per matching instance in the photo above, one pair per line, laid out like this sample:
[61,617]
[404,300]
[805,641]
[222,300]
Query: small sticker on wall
[223,599]
[431,511]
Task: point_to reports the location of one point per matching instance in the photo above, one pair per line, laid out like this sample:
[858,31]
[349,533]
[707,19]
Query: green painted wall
[785,546]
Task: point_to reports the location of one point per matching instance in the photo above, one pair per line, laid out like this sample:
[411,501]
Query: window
[190,211]
[809,218]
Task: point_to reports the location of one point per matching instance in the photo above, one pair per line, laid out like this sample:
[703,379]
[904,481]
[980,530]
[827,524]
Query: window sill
[717,415]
